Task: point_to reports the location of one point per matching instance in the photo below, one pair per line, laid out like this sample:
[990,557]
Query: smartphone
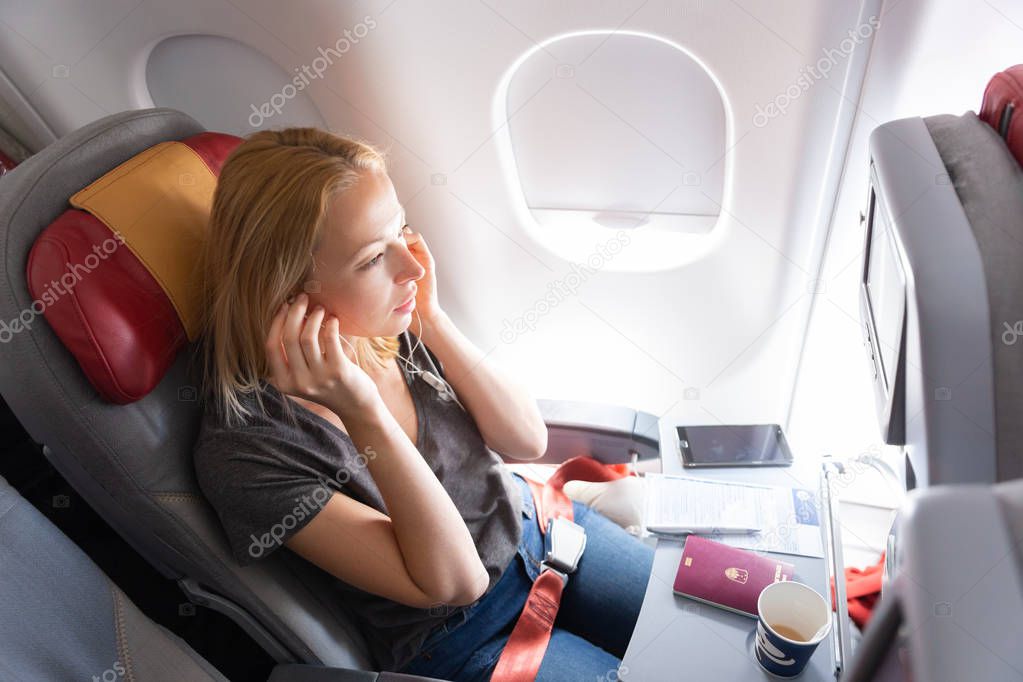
[739,445]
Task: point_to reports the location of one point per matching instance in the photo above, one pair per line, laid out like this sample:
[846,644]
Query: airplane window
[609,132]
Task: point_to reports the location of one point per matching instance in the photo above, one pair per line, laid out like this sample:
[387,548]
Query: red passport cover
[726,576]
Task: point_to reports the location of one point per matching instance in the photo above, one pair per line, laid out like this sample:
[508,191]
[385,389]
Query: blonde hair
[265,225]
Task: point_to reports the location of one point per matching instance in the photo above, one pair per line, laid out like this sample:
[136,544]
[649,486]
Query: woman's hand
[299,367]
[426,288]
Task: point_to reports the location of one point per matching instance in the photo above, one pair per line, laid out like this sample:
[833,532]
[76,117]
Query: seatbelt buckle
[563,544]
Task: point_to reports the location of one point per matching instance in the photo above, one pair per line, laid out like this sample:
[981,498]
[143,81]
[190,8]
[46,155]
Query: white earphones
[442,387]
[352,347]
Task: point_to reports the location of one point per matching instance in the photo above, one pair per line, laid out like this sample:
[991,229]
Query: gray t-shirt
[268,479]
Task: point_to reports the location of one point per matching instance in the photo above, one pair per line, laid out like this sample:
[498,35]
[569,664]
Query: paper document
[787,519]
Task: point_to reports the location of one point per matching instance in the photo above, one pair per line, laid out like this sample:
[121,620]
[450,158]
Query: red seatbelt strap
[528,641]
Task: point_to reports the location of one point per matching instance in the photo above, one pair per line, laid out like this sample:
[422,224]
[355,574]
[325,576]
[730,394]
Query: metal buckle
[563,544]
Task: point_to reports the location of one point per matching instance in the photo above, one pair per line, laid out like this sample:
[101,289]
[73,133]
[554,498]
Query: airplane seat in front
[942,298]
[61,618]
[986,175]
[102,382]
[955,607]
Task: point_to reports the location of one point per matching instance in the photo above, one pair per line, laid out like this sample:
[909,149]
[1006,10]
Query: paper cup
[789,614]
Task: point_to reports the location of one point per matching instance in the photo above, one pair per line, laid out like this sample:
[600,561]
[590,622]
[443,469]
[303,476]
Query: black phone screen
[734,445]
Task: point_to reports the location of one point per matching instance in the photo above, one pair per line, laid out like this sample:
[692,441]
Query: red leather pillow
[1002,108]
[110,307]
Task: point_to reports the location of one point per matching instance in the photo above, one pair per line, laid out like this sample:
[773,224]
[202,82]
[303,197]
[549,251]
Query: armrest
[608,433]
[300,672]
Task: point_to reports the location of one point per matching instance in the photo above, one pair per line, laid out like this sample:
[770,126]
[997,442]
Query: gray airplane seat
[97,341]
[942,305]
[955,607]
[61,618]
[114,405]
[942,297]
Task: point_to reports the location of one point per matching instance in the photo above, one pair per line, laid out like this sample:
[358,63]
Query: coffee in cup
[793,619]
[787,632]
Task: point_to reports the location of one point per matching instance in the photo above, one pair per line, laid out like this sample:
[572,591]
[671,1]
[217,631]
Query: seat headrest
[1000,108]
[115,275]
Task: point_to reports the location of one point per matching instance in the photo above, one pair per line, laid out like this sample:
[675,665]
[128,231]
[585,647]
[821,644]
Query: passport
[727,577]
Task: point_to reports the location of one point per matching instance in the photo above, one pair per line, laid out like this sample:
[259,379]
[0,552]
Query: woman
[323,433]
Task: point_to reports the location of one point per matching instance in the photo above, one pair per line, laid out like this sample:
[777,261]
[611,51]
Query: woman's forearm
[438,549]
[507,416]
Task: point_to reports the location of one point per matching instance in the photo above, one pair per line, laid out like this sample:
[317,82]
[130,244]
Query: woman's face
[363,270]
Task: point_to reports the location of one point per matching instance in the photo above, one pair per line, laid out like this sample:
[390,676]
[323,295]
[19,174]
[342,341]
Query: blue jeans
[598,611]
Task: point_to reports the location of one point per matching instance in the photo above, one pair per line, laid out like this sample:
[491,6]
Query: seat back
[132,462]
[989,185]
[946,217]
[953,608]
[62,618]
[962,591]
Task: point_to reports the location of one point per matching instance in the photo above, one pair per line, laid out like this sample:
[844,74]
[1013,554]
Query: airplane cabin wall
[714,338]
[929,57]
